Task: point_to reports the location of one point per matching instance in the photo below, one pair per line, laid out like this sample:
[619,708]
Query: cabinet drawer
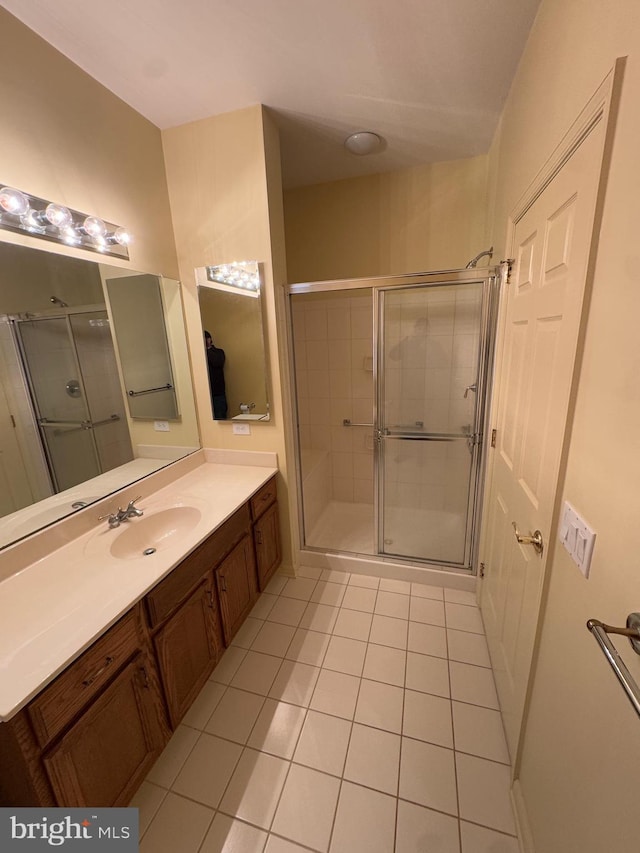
[106,754]
[163,600]
[228,535]
[59,703]
[263,498]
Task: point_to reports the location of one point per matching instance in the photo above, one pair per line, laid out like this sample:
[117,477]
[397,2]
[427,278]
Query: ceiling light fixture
[363,142]
[25,213]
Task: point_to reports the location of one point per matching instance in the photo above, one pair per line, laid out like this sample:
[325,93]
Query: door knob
[535,539]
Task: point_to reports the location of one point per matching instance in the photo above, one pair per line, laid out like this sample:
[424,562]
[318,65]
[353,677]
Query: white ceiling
[429,76]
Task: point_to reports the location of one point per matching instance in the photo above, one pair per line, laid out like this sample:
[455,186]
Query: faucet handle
[132,509]
[112,518]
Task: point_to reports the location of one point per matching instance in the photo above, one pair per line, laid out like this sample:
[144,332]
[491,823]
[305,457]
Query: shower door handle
[473,388]
[348,423]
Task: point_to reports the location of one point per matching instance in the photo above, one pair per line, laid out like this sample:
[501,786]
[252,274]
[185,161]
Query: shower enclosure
[391,386]
[70,367]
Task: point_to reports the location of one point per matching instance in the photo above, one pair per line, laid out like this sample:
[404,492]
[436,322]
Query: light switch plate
[577,537]
[161,426]
[241,429]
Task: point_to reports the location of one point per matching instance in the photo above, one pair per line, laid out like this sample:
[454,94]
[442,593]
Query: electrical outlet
[241,429]
[161,426]
[577,538]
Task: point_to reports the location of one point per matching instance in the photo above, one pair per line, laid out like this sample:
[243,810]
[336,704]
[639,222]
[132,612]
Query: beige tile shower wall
[333,335]
[431,353]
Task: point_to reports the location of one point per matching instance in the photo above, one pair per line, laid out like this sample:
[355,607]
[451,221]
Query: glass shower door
[429,423]
[61,406]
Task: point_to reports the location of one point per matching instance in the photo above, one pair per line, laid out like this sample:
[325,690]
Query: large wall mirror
[70,430]
[231,313]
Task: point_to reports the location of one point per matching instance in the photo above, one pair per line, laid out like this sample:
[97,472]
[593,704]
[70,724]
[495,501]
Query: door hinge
[481,570]
[494,434]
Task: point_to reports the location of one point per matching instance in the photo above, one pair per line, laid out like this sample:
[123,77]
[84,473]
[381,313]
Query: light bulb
[94,227]
[122,236]
[58,215]
[13,201]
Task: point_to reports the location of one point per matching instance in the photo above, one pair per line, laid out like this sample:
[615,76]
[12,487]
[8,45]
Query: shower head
[57,301]
[474,261]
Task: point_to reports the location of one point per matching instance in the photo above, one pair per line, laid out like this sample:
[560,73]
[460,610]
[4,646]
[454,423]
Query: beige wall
[427,218]
[218,170]
[581,750]
[65,137]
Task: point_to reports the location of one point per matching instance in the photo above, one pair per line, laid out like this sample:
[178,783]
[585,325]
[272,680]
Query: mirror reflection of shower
[76,399]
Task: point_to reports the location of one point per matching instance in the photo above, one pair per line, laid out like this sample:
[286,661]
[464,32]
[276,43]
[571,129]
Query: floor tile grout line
[400,751]
[220,810]
[346,754]
[165,791]
[453,731]
[208,829]
[306,708]
[490,828]
[290,760]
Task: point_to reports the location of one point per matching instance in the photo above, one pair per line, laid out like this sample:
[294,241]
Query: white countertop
[55,608]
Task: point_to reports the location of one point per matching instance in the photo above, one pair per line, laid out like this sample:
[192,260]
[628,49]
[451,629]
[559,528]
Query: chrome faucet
[114,519]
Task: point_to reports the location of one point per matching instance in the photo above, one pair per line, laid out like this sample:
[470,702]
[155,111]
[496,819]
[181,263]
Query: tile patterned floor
[350,715]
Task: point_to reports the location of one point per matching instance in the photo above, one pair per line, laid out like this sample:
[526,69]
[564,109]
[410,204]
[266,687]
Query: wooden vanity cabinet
[188,646]
[266,532]
[90,737]
[106,754]
[237,586]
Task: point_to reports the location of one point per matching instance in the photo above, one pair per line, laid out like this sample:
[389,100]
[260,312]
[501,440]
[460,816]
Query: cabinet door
[106,754]
[237,587]
[266,535]
[188,649]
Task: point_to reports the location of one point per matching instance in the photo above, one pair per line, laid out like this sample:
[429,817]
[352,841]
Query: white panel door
[551,247]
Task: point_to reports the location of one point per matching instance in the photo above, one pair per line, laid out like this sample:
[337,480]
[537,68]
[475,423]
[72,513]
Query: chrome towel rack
[167,387]
[601,632]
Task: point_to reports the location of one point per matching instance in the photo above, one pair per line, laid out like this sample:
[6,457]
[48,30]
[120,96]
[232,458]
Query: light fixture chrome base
[24,213]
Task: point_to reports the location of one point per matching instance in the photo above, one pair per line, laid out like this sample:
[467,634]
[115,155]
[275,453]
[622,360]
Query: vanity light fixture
[243,276]
[28,214]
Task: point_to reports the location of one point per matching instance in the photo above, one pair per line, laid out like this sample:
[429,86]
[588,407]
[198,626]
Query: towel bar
[167,387]
[601,632]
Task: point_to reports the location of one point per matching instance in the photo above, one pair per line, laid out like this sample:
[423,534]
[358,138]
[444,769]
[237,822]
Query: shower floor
[433,535]
[344,527]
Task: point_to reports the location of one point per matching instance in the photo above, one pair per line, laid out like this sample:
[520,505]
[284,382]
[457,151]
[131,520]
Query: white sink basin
[162,529]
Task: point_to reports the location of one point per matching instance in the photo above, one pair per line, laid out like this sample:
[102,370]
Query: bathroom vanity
[90,736]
